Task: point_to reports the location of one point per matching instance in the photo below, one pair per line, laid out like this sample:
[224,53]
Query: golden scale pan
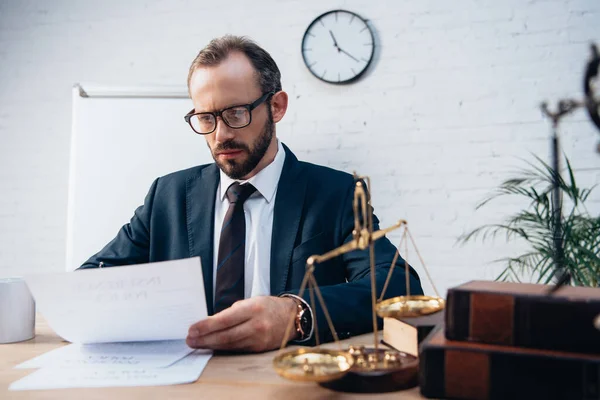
[359,368]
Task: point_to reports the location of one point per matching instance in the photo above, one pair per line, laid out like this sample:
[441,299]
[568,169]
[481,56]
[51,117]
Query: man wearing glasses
[255,216]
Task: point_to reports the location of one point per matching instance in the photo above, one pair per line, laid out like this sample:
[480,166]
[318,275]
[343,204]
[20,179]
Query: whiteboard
[121,141]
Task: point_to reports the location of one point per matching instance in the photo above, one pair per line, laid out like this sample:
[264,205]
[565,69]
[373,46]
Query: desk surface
[225,377]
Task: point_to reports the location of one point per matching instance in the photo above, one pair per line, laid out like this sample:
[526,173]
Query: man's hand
[256,324]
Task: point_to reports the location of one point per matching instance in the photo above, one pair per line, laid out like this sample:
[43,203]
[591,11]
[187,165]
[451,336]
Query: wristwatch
[303,320]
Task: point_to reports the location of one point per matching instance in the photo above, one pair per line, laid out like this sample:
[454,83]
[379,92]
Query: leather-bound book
[463,370]
[524,315]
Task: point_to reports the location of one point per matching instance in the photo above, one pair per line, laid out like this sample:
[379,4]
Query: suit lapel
[286,220]
[200,212]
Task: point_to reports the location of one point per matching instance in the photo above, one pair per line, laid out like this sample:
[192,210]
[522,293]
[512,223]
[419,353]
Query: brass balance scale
[359,368]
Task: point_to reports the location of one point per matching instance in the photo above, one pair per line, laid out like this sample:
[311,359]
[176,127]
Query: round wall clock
[338,46]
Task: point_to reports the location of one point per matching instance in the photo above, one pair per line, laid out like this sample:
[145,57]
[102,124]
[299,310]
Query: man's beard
[237,170]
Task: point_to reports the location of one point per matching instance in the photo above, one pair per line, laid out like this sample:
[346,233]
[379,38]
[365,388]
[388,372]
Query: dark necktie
[230,264]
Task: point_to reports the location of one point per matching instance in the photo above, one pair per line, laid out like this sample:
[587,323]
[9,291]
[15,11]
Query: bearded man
[254,216]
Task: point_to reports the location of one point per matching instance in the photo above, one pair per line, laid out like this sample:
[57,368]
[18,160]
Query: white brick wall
[450,103]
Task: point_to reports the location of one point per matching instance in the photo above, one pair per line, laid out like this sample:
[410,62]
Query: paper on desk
[155,301]
[154,354]
[186,370]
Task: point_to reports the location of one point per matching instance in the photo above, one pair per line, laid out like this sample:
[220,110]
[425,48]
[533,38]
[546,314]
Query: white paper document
[127,326]
[156,301]
[186,370]
[154,354]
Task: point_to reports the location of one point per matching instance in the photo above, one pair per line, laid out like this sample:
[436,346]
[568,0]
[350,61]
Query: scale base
[393,371]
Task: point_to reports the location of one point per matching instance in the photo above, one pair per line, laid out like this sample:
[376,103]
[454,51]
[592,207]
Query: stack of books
[504,340]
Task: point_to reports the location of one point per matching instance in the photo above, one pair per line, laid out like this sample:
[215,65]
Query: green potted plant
[536,226]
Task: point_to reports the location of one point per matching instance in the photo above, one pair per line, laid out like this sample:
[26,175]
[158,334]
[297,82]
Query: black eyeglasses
[235,117]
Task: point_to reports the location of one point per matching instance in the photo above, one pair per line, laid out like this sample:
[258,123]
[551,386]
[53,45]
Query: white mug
[17,311]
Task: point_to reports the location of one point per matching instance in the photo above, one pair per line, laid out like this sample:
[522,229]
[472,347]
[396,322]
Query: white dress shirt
[258,210]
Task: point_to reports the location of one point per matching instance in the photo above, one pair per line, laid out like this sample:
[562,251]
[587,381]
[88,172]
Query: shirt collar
[265,181]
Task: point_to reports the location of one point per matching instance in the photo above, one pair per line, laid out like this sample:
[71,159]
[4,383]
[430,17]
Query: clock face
[338,46]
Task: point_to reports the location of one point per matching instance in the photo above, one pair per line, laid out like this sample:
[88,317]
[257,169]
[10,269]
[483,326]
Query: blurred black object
[592,102]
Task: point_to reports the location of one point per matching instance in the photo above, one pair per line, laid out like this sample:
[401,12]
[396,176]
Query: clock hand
[348,54]
[339,49]
[334,41]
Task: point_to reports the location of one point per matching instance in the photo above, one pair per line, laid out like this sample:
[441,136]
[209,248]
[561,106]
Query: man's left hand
[256,324]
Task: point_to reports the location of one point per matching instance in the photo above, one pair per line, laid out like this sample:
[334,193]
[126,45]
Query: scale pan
[409,306]
[313,365]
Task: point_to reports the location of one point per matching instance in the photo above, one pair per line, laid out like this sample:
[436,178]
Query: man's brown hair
[269,77]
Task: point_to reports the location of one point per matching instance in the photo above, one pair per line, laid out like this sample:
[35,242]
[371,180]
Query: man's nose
[223,133]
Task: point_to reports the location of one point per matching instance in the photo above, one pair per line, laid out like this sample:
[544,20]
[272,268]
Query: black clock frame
[366,67]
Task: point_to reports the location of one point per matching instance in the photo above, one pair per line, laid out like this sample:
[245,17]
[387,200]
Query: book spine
[457,315]
[522,321]
[570,322]
[458,373]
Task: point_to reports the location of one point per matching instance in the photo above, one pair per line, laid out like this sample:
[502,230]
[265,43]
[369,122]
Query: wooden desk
[225,377]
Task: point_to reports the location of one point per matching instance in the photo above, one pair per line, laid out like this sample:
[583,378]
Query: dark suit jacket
[313,214]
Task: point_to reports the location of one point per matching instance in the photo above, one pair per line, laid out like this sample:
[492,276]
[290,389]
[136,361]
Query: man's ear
[279,103]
